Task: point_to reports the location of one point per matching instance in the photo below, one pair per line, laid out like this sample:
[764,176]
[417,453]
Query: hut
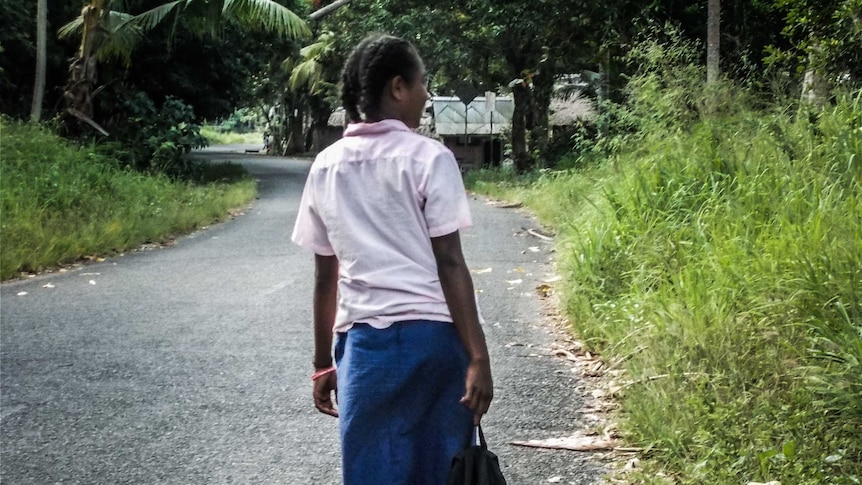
[473,131]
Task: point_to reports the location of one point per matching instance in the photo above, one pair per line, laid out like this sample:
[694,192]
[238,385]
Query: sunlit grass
[216,137]
[61,203]
[723,262]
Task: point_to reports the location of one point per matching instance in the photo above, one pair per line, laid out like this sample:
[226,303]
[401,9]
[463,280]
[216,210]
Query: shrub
[154,139]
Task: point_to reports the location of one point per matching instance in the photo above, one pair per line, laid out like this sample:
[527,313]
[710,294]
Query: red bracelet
[317,375]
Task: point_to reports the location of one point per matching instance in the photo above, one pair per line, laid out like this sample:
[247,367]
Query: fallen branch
[539,235]
[573,443]
[87,119]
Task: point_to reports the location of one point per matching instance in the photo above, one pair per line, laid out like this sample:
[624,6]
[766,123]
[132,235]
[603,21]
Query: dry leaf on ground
[545,290]
[574,443]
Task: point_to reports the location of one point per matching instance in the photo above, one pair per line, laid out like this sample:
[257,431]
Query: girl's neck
[383,114]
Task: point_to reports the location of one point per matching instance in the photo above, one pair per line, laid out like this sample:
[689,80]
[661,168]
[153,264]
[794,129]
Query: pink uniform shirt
[374,199]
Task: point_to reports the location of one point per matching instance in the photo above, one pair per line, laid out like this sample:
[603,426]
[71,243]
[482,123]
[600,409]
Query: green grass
[216,137]
[721,262]
[61,203]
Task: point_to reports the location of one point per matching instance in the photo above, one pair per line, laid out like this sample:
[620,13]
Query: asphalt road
[190,364]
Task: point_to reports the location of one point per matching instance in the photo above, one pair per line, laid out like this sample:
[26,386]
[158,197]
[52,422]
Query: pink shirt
[374,199]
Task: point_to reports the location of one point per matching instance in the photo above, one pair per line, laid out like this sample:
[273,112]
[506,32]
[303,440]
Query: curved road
[190,364]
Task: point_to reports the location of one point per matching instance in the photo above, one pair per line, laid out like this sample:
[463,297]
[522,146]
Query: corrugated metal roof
[449,116]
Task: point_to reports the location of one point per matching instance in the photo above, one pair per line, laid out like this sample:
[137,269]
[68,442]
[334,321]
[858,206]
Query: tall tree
[106,32]
[41,59]
[712,40]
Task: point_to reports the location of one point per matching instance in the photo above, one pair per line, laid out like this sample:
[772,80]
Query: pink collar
[376,128]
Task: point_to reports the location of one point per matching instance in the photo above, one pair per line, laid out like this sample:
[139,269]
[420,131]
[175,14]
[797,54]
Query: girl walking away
[381,210]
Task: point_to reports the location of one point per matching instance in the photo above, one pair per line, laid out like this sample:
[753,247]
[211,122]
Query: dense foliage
[714,253]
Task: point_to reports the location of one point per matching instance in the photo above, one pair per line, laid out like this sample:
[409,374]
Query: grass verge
[216,137]
[61,203]
[721,264]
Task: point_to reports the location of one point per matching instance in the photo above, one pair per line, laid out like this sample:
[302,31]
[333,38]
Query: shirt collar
[376,128]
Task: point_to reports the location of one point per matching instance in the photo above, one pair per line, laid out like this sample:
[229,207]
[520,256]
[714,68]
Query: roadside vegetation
[241,127]
[711,246]
[62,202]
[214,136]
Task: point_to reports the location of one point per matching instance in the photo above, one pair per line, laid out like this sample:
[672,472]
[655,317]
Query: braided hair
[373,62]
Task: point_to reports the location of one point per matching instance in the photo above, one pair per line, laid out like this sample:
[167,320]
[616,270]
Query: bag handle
[479,437]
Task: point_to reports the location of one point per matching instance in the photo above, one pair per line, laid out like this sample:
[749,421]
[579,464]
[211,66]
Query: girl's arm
[325,294]
[460,297]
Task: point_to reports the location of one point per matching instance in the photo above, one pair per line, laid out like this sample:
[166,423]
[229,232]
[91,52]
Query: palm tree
[41,59]
[106,32]
[313,75]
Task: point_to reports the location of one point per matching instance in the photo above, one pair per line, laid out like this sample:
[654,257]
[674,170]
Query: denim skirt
[398,393]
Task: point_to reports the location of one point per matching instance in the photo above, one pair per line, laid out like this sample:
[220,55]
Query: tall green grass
[217,137]
[716,256]
[61,202]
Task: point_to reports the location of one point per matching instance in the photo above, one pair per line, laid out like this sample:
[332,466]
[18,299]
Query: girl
[382,209]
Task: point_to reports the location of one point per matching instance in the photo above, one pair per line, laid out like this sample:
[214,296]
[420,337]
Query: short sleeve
[446,207]
[309,231]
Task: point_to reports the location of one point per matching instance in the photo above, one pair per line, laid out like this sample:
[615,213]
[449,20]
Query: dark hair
[373,62]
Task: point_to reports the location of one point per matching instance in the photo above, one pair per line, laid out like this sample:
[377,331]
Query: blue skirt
[398,393]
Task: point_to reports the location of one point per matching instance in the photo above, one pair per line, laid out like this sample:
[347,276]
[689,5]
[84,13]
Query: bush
[154,139]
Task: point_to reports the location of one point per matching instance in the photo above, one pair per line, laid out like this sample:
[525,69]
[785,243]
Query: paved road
[190,364]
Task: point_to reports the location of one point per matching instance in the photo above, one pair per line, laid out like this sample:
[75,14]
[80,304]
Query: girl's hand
[323,389]
[479,389]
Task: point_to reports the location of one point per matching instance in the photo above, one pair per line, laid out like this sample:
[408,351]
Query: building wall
[476,153]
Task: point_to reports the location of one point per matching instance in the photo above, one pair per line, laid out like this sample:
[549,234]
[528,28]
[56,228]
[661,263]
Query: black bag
[476,465]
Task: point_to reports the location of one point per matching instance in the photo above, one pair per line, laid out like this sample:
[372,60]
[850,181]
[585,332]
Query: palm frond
[121,39]
[205,17]
[308,73]
[71,29]
[116,38]
[116,21]
[289,64]
[151,18]
[269,15]
[314,51]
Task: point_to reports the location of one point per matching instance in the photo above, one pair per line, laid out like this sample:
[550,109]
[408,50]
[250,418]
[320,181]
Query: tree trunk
[319,112]
[814,85]
[713,29]
[295,136]
[82,70]
[519,128]
[41,59]
[543,89]
[603,91]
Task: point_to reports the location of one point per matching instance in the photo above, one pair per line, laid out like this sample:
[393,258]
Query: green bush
[154,139]
[60,202]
